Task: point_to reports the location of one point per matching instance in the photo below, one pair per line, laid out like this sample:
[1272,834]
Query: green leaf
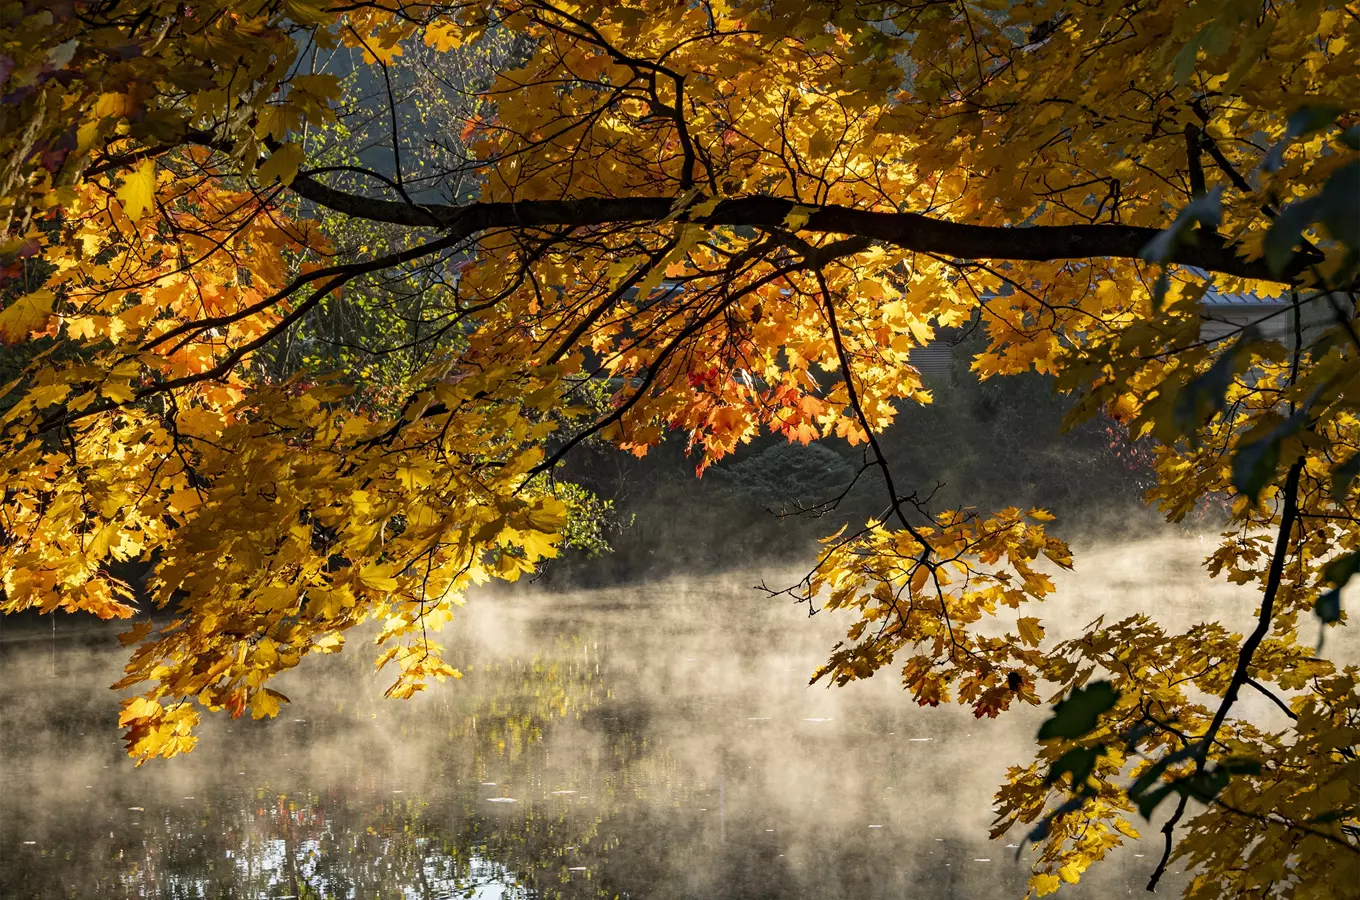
[1203,786]
[1159,289]
[1040,831]
[1080,712]
[1078,762]
[1328,606]
[1184,64]
[1148,803]
[1304,121]
[1340,206]
[1308,119]
[1336,206]
[1204,395]
[1336,815]
[1255,462]
[1203,210]
[1287,230]
[1241,765]
[1154,772]
[1254,465]
[1343,475]
[1339,571]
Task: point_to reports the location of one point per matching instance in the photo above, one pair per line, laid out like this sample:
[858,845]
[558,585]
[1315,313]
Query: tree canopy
[306,304]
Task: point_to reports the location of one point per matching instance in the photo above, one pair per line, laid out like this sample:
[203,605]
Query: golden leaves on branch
[153,258]
[923,589]
[311,542]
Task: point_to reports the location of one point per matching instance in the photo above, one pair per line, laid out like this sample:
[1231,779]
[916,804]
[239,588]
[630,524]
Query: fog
[657,740]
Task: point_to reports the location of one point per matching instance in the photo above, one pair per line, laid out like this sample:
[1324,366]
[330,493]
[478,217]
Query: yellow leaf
[82,401]
[86,327]
[322,86]
[330,643]
[921,331]
[797,217]
[621,268]
[48,395]
[183,501]
[139,708]
[24,316]
[386,656]
[376,578]
[282,164]
[381,52]
[402,690]
[443,36]
[1043,883]
[118,391]
[115,105]
[704,208]
[681,204]
[509,567]
[266,703]
[136,633]
[306,13]
[538,545]
[87,135]
[550,516]
[138,191]
[1031,632]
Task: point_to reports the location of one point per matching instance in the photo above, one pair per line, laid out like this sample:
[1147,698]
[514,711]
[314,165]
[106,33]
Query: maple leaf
[27,314]
[1031,632]
[619,269]
[265,704]
[282,165]
[138,190]
[443,36]
[139,708]
[377,578]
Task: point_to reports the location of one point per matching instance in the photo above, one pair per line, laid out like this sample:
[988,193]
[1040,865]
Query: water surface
[654,741]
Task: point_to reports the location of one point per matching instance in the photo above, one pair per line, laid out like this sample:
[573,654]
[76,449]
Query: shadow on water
[657,743]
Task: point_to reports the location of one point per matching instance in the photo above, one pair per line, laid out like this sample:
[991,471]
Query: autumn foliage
[716,219]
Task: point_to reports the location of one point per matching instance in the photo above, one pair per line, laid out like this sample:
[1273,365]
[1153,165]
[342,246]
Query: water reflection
[659,743]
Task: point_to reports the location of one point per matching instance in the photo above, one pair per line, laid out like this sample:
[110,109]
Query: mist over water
[649,741]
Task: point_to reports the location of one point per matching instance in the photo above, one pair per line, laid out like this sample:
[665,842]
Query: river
[655,741]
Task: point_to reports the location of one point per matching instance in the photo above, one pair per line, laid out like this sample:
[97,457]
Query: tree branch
[1289,514]
[911,231]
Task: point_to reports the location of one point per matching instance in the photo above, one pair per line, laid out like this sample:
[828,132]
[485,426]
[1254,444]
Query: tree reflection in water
[367,799]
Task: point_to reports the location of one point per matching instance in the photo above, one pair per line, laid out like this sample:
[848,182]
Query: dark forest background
[981,444]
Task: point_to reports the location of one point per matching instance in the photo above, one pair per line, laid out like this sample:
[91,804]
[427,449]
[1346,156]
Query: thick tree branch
[911,231]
